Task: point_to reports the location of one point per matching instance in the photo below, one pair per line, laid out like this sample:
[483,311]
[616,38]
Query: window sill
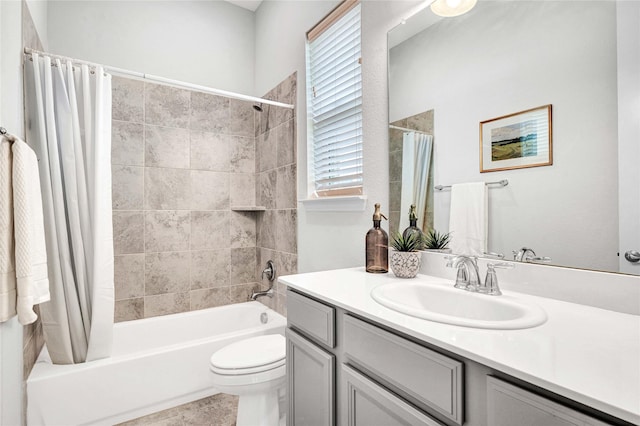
[349,203]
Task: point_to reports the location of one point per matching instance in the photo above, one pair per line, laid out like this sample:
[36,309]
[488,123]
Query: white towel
[468,219]
[31,253]
[7,248]
[22,239]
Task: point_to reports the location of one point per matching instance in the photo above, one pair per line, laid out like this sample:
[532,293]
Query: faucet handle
[490,286]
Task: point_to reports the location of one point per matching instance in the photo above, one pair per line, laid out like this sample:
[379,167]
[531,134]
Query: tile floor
[217,410]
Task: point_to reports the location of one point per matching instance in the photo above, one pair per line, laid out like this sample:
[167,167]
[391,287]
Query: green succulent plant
[412,243]
[436,241]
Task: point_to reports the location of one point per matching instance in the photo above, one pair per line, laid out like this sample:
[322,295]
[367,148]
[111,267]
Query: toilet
[254,369]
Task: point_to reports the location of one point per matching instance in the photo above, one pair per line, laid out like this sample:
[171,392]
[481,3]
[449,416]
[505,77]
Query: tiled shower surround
[185,167]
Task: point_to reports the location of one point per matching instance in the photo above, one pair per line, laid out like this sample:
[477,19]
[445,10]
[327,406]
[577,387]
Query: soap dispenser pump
[412,229]
[377,245]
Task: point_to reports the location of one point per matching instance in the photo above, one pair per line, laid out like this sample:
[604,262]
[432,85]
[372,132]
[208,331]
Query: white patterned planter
[405,264]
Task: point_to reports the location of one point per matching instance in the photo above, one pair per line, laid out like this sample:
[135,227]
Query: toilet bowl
[254,369]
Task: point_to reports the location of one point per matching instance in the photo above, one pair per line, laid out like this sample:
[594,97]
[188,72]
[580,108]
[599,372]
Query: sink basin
[446,304]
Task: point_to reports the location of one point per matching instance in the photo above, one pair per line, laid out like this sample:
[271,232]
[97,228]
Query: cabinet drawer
[427,378]
[365,403]
[508,405]
[312,318]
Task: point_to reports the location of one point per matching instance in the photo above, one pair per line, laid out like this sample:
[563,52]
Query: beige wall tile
[286,235]
[210,268]
[127,99]
[266,229]
[209,112]
[211,151]
[166,189]
[286,188]
[129,309]
[240,293]
[243,189]
[266,151]
[243,154]
[127,143]
[167,231]
[240,117]
[164,304]
[210,190]
[166,106]
[128,232]
[243,265]
[167,272]
[210,230]
[209,297]
[166,147]
[129,276]
[127,187]
[286,144]
[243,229]
[266,189]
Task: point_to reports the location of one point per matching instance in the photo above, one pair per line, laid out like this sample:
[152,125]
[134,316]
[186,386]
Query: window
[334,103]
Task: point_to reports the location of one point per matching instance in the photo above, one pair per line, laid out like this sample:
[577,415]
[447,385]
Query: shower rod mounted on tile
[162,80]
[503,182]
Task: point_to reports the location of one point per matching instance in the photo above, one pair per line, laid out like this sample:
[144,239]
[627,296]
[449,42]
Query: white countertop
[587,354]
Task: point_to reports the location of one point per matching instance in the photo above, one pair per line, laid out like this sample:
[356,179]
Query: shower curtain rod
[391,126]
[164,81]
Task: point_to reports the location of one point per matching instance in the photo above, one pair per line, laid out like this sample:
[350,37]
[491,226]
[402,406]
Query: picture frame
[515,141]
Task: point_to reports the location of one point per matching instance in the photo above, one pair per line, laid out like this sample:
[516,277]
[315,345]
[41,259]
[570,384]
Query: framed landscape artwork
[515,141]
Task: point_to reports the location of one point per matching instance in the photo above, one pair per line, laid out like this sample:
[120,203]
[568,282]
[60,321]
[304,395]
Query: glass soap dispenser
[412,229]
[377,245]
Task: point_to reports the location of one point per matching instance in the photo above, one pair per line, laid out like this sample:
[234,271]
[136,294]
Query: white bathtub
[157,363]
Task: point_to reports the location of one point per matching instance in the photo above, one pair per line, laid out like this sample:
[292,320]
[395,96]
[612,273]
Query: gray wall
[203,42]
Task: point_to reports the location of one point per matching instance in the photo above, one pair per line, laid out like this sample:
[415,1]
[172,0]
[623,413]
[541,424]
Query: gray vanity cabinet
[365,403]
[310,388]
[508,405]
[348,370]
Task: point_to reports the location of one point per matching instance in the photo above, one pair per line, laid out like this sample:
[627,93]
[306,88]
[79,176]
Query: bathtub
[157,363]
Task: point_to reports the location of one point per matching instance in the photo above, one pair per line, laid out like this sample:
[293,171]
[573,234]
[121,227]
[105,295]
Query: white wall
[332,240]
[210,43]
[471,69]
[39,14]
[11,118]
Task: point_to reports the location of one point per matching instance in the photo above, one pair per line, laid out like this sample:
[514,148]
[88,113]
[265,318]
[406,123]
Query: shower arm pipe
[164,81]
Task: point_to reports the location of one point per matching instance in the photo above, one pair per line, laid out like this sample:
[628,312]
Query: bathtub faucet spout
[256,294]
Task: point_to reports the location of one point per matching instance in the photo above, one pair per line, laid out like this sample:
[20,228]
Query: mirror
[501,58]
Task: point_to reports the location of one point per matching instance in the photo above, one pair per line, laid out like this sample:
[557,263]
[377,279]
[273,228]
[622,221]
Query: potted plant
[435,241]
[405,255]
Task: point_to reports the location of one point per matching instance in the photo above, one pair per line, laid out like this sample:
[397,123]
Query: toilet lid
[255,354]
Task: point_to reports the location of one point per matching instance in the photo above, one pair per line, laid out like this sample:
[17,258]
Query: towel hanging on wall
[23,258]
[468,220]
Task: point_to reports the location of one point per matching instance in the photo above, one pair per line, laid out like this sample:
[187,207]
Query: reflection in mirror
[411,174]
[505,57]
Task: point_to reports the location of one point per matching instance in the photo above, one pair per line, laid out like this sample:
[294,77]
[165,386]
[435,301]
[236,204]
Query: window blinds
[335,106]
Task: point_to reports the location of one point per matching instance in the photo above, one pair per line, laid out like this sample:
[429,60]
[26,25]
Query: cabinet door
[509,405]
[365,403]
[310,383]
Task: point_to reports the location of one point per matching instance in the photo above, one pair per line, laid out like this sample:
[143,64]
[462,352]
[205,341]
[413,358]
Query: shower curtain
[69,128]
[416,158]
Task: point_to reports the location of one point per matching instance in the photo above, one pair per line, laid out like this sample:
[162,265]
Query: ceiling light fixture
[449,8]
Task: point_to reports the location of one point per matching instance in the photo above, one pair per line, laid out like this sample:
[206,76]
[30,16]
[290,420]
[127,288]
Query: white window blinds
[335,104]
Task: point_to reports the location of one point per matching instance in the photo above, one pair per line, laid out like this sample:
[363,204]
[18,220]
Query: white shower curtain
[69,127]
[416,159]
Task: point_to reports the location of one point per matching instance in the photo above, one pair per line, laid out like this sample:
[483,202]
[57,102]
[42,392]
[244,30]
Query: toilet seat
[259,354]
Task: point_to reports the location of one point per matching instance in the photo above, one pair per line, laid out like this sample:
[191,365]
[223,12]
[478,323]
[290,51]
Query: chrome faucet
[468,276]
[526,254]
[270,273]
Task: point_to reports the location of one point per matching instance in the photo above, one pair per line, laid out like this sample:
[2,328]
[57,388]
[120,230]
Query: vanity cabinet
[509,405]
[347,370]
